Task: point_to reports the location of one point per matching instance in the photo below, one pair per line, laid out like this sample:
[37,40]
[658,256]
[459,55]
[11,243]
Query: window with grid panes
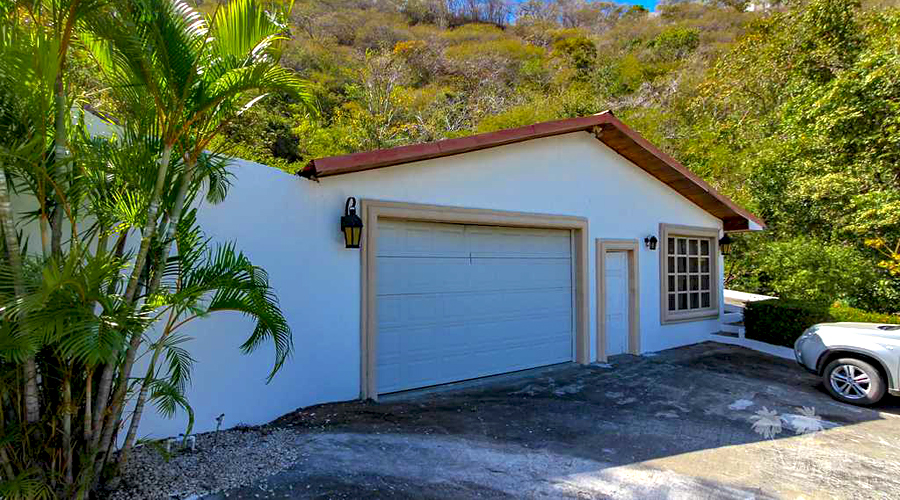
[689,274]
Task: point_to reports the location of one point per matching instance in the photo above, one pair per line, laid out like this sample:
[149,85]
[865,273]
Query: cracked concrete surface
[674,425]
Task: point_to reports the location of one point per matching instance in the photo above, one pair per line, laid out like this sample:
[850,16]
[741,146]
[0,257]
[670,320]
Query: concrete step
[731,308]
[737,328]
[732,317]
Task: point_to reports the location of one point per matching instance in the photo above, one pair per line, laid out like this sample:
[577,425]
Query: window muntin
[689,274]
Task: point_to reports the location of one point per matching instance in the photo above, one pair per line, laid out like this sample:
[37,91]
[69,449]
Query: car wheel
[853,381]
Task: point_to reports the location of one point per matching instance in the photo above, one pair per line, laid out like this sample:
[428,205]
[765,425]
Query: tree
[177,78]
[891,260]
[203,74]
[803,107]
[580,52]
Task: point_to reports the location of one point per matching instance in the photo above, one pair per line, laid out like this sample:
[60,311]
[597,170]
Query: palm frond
[213,176]
[60,309]
[226,91]
[28,485]
[180,33]
[15,348]
[27,71]
[205,279]
[168,399]
[244,30]
[179,361]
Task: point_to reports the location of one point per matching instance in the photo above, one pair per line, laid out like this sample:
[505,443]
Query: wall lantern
[650,242]
[725,244]
[351,224]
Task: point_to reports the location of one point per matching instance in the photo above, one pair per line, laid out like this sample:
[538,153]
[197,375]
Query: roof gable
[605,126]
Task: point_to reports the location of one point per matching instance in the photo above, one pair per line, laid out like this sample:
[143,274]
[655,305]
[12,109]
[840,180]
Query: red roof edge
[368,160]
[672,162]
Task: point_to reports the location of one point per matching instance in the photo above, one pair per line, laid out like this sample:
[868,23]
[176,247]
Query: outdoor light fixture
[725,244]
[650,242]
[351,224]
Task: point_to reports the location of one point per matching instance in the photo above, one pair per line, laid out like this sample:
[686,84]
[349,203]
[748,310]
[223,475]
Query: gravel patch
[234,458]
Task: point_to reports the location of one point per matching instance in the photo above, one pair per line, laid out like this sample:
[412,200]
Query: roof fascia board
[679,177]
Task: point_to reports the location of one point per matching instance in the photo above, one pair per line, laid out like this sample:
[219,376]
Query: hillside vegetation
[793,112]
[388,73]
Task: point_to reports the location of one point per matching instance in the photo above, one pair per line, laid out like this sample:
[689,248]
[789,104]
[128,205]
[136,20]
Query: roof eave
[605,126]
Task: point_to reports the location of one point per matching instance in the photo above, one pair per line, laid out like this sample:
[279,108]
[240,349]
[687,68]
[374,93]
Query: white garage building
[480,255]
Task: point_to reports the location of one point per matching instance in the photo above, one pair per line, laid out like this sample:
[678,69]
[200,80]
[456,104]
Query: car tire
[868,385]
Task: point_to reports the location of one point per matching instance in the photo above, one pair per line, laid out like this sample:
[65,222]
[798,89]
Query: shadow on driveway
[676,424]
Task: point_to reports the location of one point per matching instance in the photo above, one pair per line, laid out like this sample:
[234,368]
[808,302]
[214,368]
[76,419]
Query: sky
[648,4]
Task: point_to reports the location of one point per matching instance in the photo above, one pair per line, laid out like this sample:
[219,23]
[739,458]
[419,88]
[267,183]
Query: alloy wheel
[850,381]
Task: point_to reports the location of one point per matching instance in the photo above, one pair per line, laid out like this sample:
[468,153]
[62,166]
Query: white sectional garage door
[457,302]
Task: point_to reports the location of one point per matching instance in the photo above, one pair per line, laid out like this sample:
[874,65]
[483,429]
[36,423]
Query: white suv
[858,362]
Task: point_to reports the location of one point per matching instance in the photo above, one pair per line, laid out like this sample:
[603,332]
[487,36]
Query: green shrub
[473,32]
[852,314]
[580,52]
[781,321]
[675,42]
[517,116]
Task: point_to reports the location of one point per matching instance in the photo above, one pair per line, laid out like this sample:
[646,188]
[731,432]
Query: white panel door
[616,270]
[457,302]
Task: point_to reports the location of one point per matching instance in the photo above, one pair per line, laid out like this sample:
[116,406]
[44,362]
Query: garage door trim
[373,210]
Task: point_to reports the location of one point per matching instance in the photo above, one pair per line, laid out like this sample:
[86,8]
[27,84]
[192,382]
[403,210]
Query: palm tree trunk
[60,166]
[9,475]
[61,154]
[88,396]
[45,231]
[142,396]
[4,457]
[89,423]
[118,398]
[175,219]
[149,229]
[67,427]
[102,242]
[32,403]
[102,399]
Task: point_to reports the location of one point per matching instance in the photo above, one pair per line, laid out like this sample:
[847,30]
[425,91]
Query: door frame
[632,249]
[373,210]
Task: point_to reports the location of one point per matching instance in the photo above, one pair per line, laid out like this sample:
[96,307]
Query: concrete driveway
[672,425]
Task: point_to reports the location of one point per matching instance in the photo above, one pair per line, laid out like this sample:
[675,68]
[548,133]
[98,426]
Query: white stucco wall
[290,226]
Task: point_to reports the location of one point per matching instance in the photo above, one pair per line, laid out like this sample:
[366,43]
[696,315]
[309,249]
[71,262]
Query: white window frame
[675,230]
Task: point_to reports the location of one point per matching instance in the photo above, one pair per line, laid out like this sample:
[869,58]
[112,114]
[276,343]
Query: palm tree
[201,280]
[30,69]
[200,73]
[177,78]
[20,126]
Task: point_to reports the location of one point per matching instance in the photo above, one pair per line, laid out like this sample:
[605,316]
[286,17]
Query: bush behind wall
[781,321]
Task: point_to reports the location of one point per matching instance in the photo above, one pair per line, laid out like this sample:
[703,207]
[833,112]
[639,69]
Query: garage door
[457,302]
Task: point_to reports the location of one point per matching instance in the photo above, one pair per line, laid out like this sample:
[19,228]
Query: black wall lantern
[650,242]
[351,224]
[725,244]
